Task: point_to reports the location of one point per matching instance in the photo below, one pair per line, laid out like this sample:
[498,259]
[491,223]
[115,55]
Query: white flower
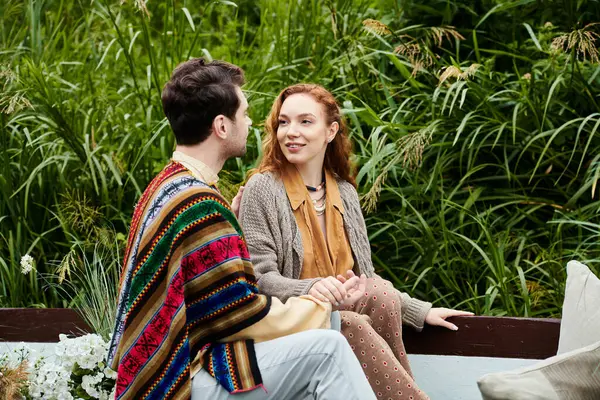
[109,373]
[26,264]
[50,379]
[89,383]
[35,391]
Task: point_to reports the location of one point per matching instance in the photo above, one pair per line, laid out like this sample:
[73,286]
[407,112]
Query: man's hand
[237,200]
[331,290]
[437,316]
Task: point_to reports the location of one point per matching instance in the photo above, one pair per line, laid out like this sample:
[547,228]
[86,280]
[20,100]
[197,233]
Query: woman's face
[303,131]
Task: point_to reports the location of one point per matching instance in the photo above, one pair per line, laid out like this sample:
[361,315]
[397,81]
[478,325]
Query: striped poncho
[187,282]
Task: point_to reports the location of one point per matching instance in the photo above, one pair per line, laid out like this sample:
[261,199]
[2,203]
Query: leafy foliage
[475,128]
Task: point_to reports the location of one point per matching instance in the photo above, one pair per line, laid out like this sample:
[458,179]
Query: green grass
[475,129]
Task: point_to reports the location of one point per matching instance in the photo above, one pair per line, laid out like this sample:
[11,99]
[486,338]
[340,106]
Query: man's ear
[219,126]
[332,131]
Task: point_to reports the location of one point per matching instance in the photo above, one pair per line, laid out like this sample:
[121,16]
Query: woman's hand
[354,292]
[237,200]
[340,292]
[437,316]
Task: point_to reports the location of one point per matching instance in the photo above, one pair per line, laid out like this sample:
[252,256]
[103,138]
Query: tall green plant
[474,128]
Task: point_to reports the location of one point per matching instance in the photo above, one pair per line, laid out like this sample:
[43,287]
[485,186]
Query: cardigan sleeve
[260,221]
[414,311]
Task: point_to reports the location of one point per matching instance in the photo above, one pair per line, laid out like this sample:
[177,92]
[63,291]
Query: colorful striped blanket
[187,282]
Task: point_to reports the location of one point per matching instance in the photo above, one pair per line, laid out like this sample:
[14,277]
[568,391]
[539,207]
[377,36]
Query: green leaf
[532,35]
[503,7]
[189,18]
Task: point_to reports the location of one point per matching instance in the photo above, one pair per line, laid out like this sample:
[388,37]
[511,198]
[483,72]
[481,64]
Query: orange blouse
[321,258]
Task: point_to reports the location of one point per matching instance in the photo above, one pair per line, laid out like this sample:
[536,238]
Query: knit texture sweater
[275,242]
[187,284]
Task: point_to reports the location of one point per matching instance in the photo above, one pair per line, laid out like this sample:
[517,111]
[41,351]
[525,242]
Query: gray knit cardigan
[275,242]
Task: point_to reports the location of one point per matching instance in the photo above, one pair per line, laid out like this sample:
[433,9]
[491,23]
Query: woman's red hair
[337,155]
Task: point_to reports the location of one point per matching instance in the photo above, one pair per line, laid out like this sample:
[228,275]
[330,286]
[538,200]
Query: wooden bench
[39,325]
[502,337]
[446,364]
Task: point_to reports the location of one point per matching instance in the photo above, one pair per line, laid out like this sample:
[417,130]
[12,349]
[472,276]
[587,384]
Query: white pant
[317,364]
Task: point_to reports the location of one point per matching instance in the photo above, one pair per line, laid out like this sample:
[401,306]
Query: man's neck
[205,153]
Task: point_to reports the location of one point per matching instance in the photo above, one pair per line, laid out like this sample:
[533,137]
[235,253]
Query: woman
[306,235]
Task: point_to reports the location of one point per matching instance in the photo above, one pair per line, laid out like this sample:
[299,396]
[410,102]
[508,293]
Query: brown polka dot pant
[373,327]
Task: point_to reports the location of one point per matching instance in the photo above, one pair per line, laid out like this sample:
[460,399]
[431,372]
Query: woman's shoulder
[347,190]
[263,183]
[267,178]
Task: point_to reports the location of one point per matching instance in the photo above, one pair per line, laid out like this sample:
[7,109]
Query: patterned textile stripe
[141,321]
[151,371]
[170,170]
[170,375]
[200,285]
[222,366]
[158,281]
[223,359]
[230,323]
[158,266]
[152,339]
[182,201]
[216,252]
[231,281]
[216,308]
[184,222]
[203,299]
[179,179]
[210,205]
[163,381]
[191,284]
[156,214]
[248,360]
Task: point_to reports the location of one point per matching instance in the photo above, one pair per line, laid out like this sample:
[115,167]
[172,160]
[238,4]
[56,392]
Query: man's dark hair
[196,94]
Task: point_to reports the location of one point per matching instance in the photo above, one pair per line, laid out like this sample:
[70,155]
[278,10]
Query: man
[190,321]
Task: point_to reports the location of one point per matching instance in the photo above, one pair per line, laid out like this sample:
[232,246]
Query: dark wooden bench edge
[506,337]
[479,336]
[42,325]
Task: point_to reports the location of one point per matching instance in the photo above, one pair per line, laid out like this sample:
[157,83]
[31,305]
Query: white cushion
[573,375]
[580,324]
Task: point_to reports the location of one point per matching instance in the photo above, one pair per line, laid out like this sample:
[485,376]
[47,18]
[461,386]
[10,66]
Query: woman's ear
[332,131]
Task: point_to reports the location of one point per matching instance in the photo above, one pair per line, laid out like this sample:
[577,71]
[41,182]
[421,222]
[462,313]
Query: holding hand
[357,291]
[329,290]
[437,316]
[339,292]
[237,200]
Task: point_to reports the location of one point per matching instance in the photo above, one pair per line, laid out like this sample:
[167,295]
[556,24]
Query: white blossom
[51,378]
[89,384]
[26,264]
[109,373]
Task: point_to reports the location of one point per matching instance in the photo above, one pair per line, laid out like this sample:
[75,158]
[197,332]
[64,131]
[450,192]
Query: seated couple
[289,309]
